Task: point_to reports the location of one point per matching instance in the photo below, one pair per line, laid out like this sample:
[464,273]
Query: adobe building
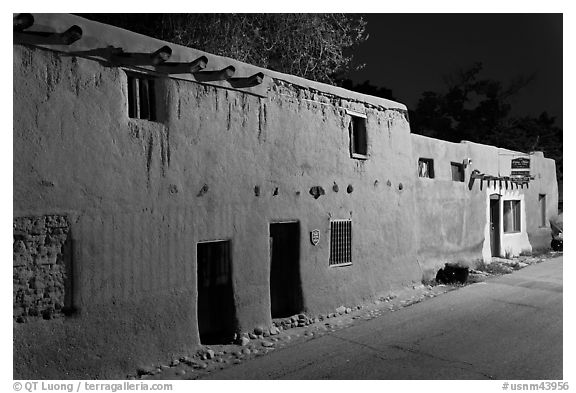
[166,198]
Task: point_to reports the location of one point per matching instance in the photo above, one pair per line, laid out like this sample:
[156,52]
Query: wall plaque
[315,237]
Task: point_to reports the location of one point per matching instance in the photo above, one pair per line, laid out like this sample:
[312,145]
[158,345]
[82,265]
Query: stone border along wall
[41,267]
[299,320]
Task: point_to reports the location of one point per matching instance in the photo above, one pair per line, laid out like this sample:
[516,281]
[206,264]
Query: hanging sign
[315,237]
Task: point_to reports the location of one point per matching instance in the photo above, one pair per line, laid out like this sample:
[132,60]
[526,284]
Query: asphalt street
[509,327]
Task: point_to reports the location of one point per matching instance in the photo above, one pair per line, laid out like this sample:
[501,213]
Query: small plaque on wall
[315,237]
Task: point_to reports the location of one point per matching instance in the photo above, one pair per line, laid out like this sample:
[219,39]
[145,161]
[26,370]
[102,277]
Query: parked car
[557,226]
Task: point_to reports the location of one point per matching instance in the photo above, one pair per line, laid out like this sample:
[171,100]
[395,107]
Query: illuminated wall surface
[128,167]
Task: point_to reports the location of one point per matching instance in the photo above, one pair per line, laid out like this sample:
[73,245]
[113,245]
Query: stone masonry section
[41,267]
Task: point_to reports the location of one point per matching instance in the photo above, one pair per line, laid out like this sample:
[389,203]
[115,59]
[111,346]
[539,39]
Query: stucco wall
[139,195]
[450,223]
[460,215]
[545,183]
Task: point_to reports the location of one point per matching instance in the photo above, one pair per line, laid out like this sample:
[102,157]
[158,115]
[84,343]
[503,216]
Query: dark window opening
[426,168]
[216,308]
[358,137]
[141,97]
[512,216]
[457,171]
[542,203]
[340,242]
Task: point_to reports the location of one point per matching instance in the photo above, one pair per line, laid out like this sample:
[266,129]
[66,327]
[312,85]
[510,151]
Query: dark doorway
[216,311]
[285,283]
[495,224]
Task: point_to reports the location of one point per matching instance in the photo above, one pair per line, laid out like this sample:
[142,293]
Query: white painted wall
[511,244]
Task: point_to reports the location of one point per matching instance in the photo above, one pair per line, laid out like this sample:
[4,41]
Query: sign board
[315,237]
[521,163]
[520,173]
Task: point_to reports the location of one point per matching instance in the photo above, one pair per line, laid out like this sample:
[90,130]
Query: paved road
[505,328]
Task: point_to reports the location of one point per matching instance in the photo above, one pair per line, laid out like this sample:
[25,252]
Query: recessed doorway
[216,309]
[285,281]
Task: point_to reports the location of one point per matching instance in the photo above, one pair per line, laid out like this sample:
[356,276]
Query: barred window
[141,97]
[340,242]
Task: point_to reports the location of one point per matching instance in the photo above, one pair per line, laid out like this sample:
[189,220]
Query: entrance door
[285,283]
[495,224]
[216,311]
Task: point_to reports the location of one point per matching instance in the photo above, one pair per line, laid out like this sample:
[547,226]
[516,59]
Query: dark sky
[411,53]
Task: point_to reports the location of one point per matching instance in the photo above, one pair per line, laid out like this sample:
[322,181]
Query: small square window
[141,97]
[512,216]
[457,171]
[340,242]
[358,136]
[426,168]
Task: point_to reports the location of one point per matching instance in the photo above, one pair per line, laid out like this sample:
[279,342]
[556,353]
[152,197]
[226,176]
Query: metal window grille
[340,242]
[141,97]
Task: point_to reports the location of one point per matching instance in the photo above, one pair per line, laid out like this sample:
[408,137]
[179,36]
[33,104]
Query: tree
[477,110]
[367,88]
[313,46]
[471,108]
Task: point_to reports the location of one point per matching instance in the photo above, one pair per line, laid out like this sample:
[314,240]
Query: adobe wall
[451,217]
[494,161]
[545,183]
[139,195]
[459,215]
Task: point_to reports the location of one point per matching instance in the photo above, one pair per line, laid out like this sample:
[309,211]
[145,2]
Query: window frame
[430,163]
[339,232]
[516,214]
[461,171]
[355,118]
[141,85]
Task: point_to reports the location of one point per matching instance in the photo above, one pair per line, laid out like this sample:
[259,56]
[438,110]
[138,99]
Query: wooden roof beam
[183,68]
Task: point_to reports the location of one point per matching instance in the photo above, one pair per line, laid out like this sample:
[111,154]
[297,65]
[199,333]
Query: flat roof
[98,39]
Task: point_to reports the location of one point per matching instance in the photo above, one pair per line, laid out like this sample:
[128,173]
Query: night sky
[411,53]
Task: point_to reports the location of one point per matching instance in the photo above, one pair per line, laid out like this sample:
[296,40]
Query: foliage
[367,88]
[478,110]
[471,108]
[313,46]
